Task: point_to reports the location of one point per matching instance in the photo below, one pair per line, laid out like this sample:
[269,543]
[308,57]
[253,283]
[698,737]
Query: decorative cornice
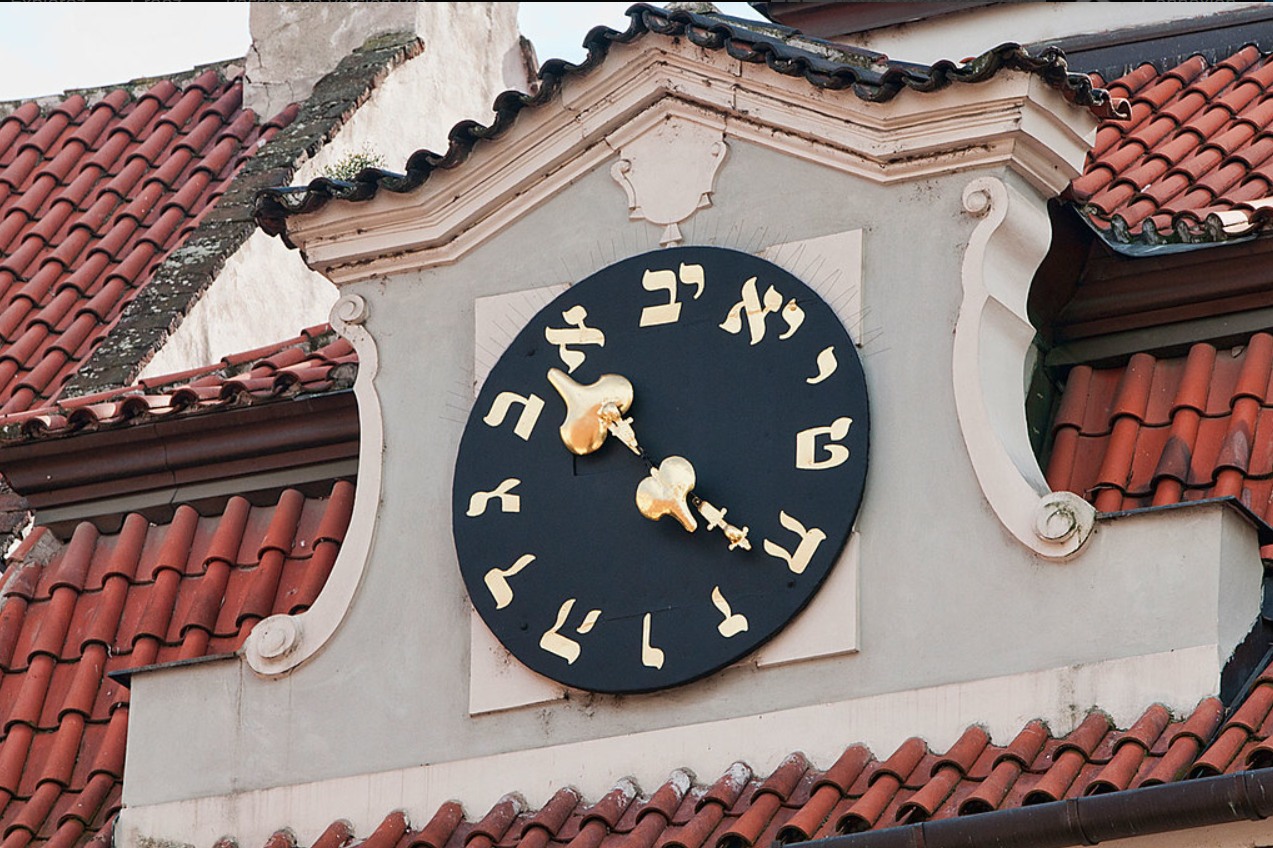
[99,476]
[824,65]
[1013,119]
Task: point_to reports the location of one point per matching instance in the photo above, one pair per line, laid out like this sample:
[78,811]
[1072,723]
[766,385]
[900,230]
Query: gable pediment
[532,153]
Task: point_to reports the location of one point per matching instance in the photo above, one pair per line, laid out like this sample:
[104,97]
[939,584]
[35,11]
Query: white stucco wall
[262,295]
[947,596]
[472,54]
[978,30]
[266,293]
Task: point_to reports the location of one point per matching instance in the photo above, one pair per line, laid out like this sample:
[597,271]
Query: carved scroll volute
[669,172]
[992,339]
[281,642]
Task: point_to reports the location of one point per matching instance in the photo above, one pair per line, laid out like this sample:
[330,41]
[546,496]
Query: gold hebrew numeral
[532,405]
[651,657]
[827,364]
[563,646]
[578,333]
[734,622]
[755,310]
[665,281]
[508,502]
[807,445]
[809,541]
[496,580]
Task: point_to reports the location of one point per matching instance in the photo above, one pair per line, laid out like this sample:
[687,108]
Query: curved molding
[280,643]
[1013,119]
[992,340]
[668,171]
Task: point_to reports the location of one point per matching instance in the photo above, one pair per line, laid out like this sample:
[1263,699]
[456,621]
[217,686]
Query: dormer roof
[97,192]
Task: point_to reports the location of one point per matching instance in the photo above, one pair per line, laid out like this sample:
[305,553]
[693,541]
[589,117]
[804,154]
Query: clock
[660,470]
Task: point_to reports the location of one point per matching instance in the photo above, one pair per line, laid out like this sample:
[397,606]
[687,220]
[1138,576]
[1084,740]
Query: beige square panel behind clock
[499,318]
[832,266]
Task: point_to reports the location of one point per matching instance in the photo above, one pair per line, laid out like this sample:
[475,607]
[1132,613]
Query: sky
[47,48]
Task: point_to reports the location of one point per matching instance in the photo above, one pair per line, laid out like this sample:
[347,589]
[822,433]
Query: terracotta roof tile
[1201,122]
[68,621]
[1176,429]
[314,362]
[971,777]
[115,172]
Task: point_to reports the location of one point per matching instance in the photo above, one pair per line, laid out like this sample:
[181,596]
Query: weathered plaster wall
[295,44]
[472,53]
[262,295]
[266,293]
[947,596]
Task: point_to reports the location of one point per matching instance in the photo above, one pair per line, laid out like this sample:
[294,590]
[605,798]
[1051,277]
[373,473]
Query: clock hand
[595,411]
[665,492]
[716,518]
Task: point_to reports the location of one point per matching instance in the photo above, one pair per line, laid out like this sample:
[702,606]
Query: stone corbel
[992,340]
[281,642]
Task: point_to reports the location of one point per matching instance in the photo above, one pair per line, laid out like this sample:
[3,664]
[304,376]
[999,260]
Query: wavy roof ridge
[871,76]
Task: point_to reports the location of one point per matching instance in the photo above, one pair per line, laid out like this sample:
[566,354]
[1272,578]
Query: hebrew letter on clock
[807,445]
[655,281]
[757,310]
[508,502]
[578,334]
[809,541]
[532,405]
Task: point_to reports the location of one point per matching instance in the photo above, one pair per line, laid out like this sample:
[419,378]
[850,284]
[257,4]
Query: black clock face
[736,368]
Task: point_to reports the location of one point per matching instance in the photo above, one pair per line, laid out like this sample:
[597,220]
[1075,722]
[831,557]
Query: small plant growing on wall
[348,166]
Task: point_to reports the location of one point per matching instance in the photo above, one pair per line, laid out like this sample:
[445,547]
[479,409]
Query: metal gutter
[1263,530]
[1089,820]
[124,676]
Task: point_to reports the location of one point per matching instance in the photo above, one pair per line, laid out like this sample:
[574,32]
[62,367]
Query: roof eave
[1087,820]
[825,65]
[148,466]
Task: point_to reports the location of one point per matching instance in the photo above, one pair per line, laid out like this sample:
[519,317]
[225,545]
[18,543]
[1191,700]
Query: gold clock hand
[716,518]
[595,411]
[665,491]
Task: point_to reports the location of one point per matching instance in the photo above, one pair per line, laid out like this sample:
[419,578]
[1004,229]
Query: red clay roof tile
[743,810]
[122,164]
[1201,430]
[1217,111]
[61,761]
[319,362]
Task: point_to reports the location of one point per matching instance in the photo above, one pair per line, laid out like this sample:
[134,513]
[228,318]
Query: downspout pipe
[1089,820]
